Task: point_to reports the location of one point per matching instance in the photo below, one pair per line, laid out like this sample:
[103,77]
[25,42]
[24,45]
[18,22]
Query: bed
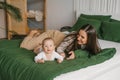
[18,64]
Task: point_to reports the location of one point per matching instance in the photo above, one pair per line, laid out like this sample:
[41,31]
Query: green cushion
[111,31]
[97,17]
[114,20]
[82,21]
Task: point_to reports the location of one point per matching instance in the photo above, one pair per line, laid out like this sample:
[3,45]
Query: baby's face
[48,46]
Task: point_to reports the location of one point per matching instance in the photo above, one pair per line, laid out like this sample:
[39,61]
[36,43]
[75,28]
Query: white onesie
[42,55]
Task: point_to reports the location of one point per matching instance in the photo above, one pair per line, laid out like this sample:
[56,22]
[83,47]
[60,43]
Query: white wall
[2,24]
[60,13]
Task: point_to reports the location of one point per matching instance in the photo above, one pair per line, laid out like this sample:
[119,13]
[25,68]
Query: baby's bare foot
[33,33]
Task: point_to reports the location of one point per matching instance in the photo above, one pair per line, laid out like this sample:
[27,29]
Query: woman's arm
[64,44]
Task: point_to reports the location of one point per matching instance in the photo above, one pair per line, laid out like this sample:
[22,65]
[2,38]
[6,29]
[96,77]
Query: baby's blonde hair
[48,38]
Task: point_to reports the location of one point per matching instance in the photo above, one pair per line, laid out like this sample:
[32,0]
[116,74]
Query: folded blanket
[18,63]
[31,42]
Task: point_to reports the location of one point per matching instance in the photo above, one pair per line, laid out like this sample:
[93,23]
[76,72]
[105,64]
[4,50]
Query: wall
[98,7]
[60,13]
[2,24]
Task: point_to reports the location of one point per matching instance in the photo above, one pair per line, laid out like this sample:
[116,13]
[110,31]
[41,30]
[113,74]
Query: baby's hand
[59,61]
[41,61]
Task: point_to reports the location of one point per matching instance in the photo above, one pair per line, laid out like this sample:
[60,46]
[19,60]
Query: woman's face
[82,37]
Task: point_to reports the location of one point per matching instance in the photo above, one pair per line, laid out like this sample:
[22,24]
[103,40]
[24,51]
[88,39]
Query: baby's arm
[59,61]
[40,61]
[39,58]
[58,57]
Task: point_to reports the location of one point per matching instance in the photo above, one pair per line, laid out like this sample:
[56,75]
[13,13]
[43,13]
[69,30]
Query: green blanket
[18,63]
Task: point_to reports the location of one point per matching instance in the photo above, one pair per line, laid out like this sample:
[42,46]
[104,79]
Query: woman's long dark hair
[92,45]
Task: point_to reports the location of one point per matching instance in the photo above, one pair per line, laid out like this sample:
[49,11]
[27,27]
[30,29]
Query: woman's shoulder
[72,34]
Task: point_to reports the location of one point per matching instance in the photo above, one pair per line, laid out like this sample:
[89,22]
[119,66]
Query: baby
[48,53]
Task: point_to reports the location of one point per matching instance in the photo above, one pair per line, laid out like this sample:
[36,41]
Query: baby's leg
[37,49]
[33,33]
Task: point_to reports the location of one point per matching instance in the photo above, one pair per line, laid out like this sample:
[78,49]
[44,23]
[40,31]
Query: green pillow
[97,17]
[82,21]
[111,31]
[114,20]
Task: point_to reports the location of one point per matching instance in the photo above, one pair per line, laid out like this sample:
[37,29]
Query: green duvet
[18,63]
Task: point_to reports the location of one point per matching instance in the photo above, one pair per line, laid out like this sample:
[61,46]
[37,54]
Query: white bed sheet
[107,70]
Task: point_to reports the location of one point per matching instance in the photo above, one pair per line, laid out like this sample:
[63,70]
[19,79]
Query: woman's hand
[72,55]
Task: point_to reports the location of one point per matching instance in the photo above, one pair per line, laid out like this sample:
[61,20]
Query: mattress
[107,70]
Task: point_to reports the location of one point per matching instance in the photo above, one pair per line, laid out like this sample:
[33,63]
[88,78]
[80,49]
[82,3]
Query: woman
[85,38]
